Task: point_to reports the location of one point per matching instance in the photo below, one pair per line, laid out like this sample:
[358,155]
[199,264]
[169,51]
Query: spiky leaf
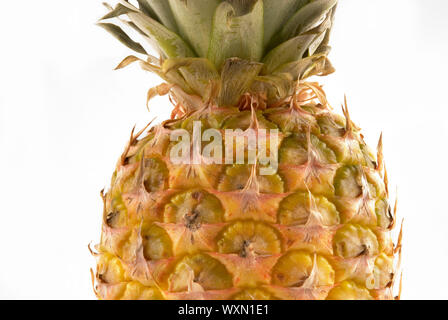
[275,87]
[194,21]
[163,11]
[116,12]
[305,19]
[170,43]
[276,13]
[199,73]
[146,9]
[236,79]
[118,33]
[314,65]
[289,51]
[237,36]
[119,11]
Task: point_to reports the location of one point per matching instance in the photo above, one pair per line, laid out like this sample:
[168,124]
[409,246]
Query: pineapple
[318,227]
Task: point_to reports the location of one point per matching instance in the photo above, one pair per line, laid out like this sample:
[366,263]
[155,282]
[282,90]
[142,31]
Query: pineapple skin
[320,228]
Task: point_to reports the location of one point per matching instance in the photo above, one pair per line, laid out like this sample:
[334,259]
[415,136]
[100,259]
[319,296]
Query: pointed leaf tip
[306,18]
[161,9]
[168,41]
[119,34]
[277,13]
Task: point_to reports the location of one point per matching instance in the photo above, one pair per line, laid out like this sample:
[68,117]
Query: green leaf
[171,45]
[324,46]
[163,11]
[194,20]
[236,36]
[118,33]
[119,10]
[277,13]
[305,19]
[237,77]
[310,66]
[173,76]
[199,73]
[276,87]
[289,51]
[242,7]
[320,43]
[146,9]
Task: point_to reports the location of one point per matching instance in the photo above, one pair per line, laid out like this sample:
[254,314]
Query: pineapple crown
[218,51]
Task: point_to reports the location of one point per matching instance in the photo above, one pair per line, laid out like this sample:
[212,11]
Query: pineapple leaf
[237,77]
[324,46]
[127,61]
[316,43]
[305,19]
[199,73]
[194,20]
[276,87]
[171,76]
[290,51]
[118,33]
[242,7]
[146,9]
[171,45]
[236,36]
[276,13]
[310,66]
[320,43]
[163,11]
[119,10]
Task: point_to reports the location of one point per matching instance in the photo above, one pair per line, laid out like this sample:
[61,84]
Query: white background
[65,117]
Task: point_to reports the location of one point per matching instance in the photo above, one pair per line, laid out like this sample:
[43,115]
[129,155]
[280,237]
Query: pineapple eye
[368,156]
[155,175]
[383,271]
[116,216]
[199,272]
[243,121]
[189,123]
[348,290]
[383,214]
[253,294]
[112,219]
[332,125]
[354,240]
[293,122]
[297,267]
[236,178]
[296,209]
[294,150]
[243,237]
[110,269]
[346,182]
[194,208]
[156,243]
[136,291]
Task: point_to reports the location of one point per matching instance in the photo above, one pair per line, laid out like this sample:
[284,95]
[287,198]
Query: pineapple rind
[175,232]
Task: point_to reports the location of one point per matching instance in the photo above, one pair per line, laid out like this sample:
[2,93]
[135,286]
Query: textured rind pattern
[317,229]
